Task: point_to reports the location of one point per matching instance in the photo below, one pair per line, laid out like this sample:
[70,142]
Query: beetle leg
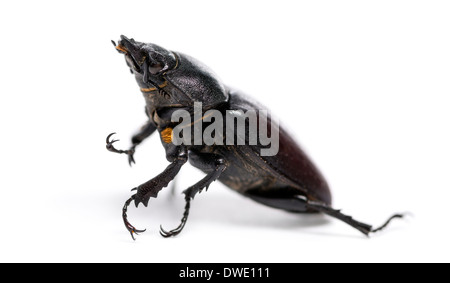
[130,152]
[129,227]
[146,131]
[192,191]
[362,227]
[207,160]
[176,231]
[151,188]
[219,167]
[387,222]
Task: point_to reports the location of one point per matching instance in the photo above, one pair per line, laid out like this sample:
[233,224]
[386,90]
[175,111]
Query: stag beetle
[172,81]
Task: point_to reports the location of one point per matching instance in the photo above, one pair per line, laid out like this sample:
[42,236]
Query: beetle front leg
[130,152]
[151,188]
[128,225]
[146,131]
[207,160]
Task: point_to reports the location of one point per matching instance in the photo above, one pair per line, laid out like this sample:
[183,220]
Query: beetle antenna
[114,43]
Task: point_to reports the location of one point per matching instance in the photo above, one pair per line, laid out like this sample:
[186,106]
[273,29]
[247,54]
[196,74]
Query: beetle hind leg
[400,216]
[364,228]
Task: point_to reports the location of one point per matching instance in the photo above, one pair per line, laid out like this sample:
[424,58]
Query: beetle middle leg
[208,162]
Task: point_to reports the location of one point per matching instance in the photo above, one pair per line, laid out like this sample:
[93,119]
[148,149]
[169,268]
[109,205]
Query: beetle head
[147,61]
[178,79]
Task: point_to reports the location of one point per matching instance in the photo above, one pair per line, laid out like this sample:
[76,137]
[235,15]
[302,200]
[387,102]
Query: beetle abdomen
[291,167]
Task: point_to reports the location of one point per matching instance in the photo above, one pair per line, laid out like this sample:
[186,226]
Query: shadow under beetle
[172,81]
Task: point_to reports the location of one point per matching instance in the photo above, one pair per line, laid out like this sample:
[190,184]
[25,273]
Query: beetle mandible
[172,81]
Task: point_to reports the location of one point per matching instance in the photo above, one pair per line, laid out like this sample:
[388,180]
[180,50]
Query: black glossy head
[148,61]
[171,79]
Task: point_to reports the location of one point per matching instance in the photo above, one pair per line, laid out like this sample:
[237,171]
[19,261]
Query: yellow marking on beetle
[167,135]
[148,89]
[121,48]
[163,85]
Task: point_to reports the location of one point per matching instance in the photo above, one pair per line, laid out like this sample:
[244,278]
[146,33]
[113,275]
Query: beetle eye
[155,68]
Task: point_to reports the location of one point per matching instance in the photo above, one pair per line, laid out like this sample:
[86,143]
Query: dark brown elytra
[172,81]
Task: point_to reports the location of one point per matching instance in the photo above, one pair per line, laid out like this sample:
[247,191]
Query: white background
[363,85]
